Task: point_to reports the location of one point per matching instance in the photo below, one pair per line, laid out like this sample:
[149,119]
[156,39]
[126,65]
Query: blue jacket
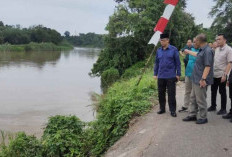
[167,63]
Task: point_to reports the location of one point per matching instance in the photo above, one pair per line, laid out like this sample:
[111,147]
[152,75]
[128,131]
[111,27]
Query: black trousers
[170,86]
[222,90]
[230,90]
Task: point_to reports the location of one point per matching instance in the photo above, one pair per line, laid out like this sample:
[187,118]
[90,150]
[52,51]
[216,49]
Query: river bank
[115,109]
[36,47]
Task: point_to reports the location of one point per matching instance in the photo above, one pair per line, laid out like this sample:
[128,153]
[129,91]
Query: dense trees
[17,35]
[131,27]
[222,12]
[85,40]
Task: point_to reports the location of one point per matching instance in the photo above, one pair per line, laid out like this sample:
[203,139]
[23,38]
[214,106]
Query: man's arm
[206,72]
[178,64]
[226,72]
[204,76]
[190,52]
[208,61]
[156,66]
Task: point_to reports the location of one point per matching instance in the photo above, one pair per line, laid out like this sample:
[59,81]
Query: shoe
[173,114]
[202,121]
[161,112]
[211,108]
[221,112]
[183,109]
[190,118]
[228,116]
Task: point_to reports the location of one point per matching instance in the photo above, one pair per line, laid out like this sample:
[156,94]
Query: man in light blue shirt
[188,81]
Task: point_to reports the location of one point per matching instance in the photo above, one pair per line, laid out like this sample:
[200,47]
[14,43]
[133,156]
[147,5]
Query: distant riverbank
[36,47]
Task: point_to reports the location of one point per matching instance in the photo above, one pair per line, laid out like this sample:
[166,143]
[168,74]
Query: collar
[169,46]
[223,48]
[203,48]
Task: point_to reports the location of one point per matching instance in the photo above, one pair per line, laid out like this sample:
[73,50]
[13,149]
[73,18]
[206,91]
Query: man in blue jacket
[168,71]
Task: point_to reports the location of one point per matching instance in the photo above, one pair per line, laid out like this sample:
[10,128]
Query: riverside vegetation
[40,38]
[68,136]
[119,64]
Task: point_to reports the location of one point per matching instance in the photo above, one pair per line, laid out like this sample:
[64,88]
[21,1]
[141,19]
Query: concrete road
[164,136]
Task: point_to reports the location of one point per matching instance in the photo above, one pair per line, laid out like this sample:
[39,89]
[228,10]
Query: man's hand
[186,51]
[223,79]
[178,78]
[202,83]
[155,77]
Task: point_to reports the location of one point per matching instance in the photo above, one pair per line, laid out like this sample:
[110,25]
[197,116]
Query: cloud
[77,16]
[73,15]
[200,10]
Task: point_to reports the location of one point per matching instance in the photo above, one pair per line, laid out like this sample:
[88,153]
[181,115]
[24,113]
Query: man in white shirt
[222,60]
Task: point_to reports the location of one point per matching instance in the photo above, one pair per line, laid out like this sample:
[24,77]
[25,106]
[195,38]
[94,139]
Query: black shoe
[202,121]
[173,114]
[190,118]
[161,112]
[221,112]
[228,116]
[183,109]
[211,108]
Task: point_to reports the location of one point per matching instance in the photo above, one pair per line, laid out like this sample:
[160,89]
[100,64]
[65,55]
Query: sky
[78,16]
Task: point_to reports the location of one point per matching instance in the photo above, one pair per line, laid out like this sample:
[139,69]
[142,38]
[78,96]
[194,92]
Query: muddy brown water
[37,85]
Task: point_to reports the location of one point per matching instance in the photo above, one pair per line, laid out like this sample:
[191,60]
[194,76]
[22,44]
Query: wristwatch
[202,79]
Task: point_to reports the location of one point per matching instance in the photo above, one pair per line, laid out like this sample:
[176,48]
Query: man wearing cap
[168,71]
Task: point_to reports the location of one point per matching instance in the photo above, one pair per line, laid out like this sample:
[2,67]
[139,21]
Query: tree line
[131,27]
[85,40]
[16,35]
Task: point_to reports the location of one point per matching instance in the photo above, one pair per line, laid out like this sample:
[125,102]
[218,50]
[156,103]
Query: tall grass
[36,47]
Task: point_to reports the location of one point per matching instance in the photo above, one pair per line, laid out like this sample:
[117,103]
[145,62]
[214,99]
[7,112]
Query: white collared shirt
[223,56]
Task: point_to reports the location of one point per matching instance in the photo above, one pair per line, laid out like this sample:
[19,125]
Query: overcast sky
[77,16]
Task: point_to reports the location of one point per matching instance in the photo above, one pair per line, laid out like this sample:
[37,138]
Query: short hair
[223,35]
[190,40]
[164,35]
[202,38]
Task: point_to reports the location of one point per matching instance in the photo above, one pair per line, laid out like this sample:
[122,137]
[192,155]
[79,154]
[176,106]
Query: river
[37,85]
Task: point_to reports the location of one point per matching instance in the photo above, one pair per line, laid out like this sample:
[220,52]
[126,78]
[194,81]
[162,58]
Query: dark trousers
[222,90]
[170,86]
[230,90]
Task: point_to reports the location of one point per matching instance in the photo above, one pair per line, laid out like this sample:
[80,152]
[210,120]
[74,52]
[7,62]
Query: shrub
[133,70]
[109,76]
[22,146]
[63,137]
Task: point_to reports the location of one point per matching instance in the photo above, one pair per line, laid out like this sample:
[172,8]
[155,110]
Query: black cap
[164,35]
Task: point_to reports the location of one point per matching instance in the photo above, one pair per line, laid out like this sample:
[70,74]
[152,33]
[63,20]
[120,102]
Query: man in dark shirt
[202,76]
[229,83]
[168,71]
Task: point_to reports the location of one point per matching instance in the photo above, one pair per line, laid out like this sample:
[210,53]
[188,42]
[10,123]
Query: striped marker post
[159,29]
[163,21]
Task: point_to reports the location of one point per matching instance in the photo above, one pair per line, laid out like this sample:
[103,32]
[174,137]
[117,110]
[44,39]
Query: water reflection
[40,59]
[36,85]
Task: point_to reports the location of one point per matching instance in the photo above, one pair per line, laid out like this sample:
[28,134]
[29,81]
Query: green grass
[36,47]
